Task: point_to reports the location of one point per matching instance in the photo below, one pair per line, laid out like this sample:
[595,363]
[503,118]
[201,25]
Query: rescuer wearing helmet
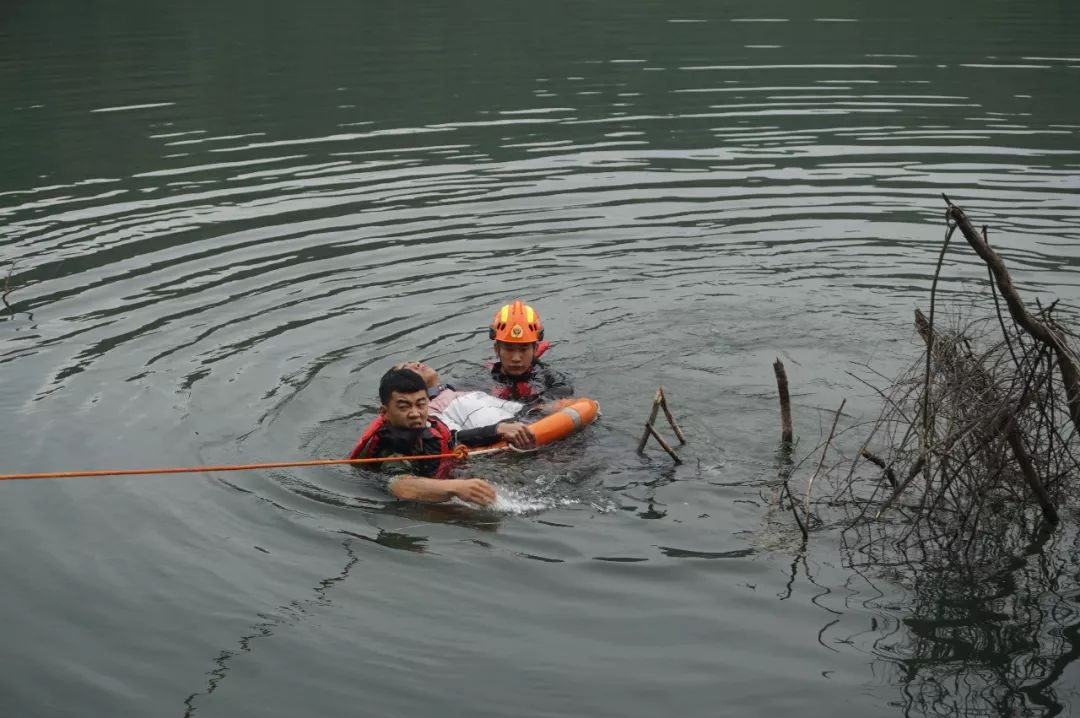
[519,374]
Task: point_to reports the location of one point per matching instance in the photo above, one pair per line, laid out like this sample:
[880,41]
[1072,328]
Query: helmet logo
[516,331]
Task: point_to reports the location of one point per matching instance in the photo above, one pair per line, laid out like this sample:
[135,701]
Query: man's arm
[515,432]
[418,488]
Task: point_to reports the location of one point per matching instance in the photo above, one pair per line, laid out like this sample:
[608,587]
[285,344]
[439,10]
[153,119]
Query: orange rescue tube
[573,415]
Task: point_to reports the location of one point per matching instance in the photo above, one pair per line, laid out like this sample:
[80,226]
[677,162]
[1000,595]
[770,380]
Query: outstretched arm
[418,488]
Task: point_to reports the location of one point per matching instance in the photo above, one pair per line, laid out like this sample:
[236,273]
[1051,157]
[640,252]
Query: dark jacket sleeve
[480,436]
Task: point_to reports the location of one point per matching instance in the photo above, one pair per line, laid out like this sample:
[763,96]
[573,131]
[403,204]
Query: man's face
[429,375]
[406,411]
[516,358]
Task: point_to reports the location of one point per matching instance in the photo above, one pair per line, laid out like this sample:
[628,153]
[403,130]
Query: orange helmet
[516,323]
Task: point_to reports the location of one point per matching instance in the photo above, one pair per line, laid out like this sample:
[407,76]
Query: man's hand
[475,491]
[517,434]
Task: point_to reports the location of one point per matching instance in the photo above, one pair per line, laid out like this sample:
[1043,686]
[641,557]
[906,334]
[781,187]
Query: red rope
[461,453]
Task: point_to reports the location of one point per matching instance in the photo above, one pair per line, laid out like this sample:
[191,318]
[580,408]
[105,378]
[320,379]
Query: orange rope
[460,452]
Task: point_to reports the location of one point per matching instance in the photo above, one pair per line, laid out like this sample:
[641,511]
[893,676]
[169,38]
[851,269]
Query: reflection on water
[287,615]
[395,540]
[989,632]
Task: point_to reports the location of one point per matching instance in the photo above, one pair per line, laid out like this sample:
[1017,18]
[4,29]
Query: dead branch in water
[786,468]
[1044,332]
[949,353]
[660,402]
[795,511]
[824,453]
[974,436]
[976,446]
[785,402]
[650,431]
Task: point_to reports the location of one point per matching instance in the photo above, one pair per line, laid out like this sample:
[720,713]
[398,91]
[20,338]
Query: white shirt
[472,409]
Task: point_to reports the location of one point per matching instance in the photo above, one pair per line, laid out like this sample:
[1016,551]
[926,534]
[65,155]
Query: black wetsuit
[540,383]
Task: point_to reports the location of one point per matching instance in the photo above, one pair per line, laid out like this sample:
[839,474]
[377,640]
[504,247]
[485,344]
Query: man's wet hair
[403,381]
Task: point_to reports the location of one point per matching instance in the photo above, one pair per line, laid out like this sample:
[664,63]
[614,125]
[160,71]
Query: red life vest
[368,443]
[518,391]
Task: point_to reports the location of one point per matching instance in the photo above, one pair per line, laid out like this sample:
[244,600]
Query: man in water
[519,375]
[405,428]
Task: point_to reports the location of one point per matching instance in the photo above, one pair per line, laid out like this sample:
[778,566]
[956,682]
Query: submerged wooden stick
[652,418]
[670,418]
[663,444]
[660,402]
[785,402]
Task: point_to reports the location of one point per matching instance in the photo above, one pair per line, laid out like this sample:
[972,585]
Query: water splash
[522,502]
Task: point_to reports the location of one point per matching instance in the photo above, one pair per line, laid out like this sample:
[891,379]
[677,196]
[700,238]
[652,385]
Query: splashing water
[518,502]
[543,493]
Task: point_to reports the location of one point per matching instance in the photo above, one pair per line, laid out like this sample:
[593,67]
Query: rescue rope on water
[461,453]
[571,416]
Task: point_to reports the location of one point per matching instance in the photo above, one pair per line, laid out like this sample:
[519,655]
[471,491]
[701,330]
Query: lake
[223,222]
